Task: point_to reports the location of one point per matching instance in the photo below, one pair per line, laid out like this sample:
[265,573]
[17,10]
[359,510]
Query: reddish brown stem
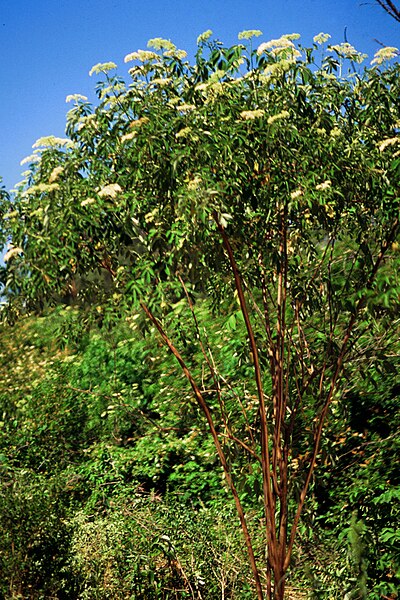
[221,455]
[266,466]
[216,379]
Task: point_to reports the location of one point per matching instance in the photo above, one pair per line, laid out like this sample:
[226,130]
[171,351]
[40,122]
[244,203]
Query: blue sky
[47,47]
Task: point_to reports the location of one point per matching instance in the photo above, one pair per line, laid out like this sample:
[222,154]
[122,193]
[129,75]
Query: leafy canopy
[249,138]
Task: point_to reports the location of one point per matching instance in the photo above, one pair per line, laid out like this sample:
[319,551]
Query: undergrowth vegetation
[110,487]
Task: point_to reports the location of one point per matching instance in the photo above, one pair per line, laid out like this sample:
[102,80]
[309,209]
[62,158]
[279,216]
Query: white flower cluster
[185,108]
[203,37]
[102,68]
[51,141]
[87,121]
[88,201]
[180,54]
[335,132]
[346,50]
[277,69]
[54,175]
[75,98]
[211,89]
[111,89]
[250,115]
[160,81]
[32,158]
[110,191]
[388,142]
[142,55]
[128,136]
[41,188]
[281,47]
[11,253]
[284,114]
[384,54]
[325,185]
[249,33]
[321,38]
[161,44]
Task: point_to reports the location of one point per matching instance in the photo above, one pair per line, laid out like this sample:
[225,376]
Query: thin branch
[391,9]
[216,377]
[317,270]
[339,362]
[265,293]
[210,365]
[266,466]
[239,442]
[369,443]
[206,410]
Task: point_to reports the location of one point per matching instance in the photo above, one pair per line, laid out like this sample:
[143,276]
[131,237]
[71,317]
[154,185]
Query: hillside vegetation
[111,488]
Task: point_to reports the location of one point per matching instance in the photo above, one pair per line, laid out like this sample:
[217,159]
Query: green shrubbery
[110,487]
